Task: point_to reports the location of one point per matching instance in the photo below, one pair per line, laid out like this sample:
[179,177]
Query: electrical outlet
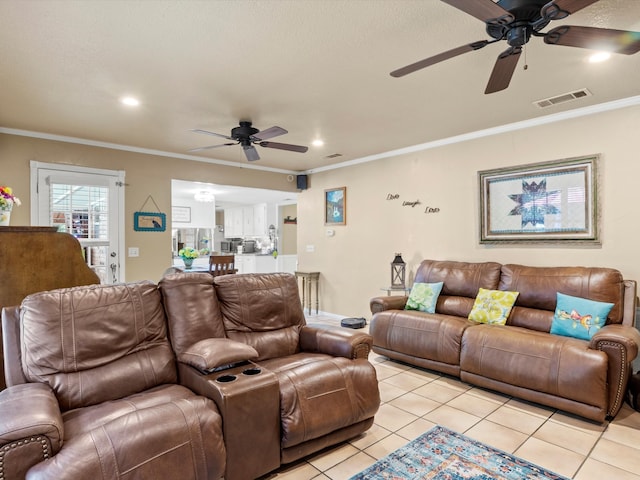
[134,252]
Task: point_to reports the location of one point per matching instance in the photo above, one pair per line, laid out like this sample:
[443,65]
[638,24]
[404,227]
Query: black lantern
[397,272]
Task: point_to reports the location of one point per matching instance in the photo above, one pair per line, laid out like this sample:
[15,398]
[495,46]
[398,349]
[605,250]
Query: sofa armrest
[31,428]
[213,354]
[620,343]
[338,342]
[380,304]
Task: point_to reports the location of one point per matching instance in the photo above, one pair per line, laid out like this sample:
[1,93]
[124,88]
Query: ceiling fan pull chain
[526,65]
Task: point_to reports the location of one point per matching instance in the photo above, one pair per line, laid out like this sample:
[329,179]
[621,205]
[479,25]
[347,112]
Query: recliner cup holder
[251,371]
[226,378]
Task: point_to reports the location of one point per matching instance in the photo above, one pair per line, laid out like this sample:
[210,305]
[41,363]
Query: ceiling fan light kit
[516,21]
[248,136]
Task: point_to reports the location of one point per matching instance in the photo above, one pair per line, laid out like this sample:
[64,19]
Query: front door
[88,204]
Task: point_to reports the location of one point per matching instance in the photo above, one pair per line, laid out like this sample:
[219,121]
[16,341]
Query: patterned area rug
[441,454]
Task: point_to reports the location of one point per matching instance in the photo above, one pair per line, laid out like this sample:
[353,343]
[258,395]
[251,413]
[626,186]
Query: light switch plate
[134,252]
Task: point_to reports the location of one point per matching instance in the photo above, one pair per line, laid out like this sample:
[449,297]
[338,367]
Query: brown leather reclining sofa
[521,358]
[100,388]
[93,391]
[286,389]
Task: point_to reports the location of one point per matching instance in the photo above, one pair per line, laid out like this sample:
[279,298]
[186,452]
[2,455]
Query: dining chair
[222,265]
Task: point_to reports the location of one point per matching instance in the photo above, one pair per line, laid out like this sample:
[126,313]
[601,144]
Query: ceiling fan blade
[558,9]
[206,132]
[269,133]
[503,70]
[401,72]
[284,146]
[211,146]
[485,10]
[251,153]
[605,39]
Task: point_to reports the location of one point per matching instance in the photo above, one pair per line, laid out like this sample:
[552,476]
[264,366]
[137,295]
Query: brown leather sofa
[521,358]
[284,389]
[93,394]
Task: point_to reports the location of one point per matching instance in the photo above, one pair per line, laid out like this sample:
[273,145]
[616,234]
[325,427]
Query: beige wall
[145,175]
[289,232]
[354,263]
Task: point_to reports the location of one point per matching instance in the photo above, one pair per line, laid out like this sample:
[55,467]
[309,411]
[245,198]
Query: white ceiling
[318,68]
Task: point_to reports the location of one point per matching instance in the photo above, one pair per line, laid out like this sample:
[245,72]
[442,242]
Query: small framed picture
[181,214]
[335,206]
[149,222]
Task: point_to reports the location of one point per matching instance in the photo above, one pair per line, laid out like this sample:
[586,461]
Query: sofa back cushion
[461,282]
[538,287]
[262,310]
[192,308]
[96,343]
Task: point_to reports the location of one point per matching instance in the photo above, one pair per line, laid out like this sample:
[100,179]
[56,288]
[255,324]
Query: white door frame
[118,174]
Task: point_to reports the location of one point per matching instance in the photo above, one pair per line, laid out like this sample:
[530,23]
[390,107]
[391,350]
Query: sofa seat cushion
[560,366]
[149,442]
[432,336]
[82,420]
[320,394]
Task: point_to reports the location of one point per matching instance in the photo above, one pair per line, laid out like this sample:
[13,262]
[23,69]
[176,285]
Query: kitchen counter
[250,263]
[265,263]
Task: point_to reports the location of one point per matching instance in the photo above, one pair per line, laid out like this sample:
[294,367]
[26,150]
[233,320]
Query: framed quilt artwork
[546,202]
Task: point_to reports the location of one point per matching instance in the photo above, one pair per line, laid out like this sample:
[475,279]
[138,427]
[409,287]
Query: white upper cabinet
[248,221]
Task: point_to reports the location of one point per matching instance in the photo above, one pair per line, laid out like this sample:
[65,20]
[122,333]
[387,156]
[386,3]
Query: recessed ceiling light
[204,196]
[317,143]
[130,101]
[599,57]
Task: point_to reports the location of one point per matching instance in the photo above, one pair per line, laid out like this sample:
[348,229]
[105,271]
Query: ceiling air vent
[565,97]
[334,155]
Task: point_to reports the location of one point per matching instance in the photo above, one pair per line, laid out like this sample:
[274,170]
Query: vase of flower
[188,255]
[5,215]
[7,201]
[188,263]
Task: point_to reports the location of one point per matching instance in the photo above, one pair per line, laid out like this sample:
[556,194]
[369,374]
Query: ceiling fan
[248,136]
[516,21]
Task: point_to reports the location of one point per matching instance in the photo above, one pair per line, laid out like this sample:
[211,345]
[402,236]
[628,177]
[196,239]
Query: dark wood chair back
[222,265]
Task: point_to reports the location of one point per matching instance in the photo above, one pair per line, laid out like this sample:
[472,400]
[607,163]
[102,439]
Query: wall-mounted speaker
[301,181]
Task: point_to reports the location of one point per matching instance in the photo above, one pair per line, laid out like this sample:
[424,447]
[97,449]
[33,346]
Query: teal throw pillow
[579,317]
[423,297]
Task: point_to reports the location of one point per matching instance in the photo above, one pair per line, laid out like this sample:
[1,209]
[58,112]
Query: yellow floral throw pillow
[492,306]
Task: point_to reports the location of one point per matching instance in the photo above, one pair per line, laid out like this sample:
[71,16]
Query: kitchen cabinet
[266,264]
[248,263]
[245,263]
[233,222]
[260,225]
[247,221]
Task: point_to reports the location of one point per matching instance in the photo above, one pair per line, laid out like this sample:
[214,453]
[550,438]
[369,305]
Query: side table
[307,279]
[404,290]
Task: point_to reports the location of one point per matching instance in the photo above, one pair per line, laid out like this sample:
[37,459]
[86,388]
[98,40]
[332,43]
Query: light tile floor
[414,400]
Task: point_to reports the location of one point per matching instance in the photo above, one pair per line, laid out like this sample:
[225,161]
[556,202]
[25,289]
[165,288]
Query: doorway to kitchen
[227,217]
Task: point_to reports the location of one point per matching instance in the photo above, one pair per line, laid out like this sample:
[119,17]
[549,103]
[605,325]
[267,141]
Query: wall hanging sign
[335,206]
[144,221]
[550,202]
[181,214]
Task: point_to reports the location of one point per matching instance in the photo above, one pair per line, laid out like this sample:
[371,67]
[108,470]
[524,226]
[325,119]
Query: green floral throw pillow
[492,306]
[423,297]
